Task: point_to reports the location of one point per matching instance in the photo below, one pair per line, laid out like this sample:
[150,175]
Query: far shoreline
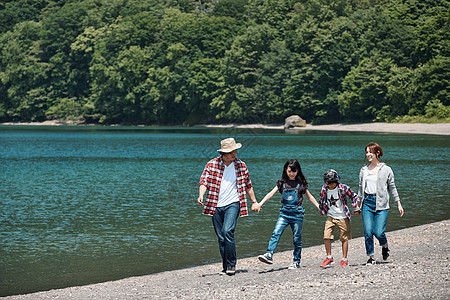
[409,128]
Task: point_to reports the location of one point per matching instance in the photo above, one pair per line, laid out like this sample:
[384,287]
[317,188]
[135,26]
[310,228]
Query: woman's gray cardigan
[385,184]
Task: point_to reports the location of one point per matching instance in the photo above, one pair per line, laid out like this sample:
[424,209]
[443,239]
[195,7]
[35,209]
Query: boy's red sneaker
[344,263]
[327,262]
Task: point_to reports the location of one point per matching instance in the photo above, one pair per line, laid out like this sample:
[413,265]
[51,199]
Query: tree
[17,11]
[23,75]
[177,61]
[240,67]
[272,102]
[231,8]
[204,84]
[400,92]
[434,37]
[365,90]
[431,82]
[117,88]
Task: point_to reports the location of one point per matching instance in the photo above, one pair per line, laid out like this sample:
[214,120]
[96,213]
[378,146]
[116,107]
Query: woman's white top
[371,183]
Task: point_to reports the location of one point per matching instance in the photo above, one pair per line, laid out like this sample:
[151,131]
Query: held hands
[256,207]
[357,212]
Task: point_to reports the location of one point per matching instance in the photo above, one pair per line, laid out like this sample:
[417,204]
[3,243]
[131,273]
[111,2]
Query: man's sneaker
[385,252]
[327,262]
[231,270]
[344,263]
[371,261]
[223,272]
[266,258]
[294,265]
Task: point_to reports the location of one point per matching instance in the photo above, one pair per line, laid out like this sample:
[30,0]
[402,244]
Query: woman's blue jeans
[374,222]
[294,218]
[224,221]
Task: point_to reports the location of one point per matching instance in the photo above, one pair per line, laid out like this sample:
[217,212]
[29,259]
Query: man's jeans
[293,217]
[374,222]
[224,221]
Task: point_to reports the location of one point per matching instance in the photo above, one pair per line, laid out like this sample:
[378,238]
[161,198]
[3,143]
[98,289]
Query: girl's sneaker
[371,261]
[294,265]
[266,258]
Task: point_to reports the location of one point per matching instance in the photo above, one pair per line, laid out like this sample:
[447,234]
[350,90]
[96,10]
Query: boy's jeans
[224,221]
[293,217]
[374,222]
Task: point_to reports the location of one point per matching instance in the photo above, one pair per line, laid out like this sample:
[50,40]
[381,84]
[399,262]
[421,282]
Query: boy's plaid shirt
[343,192]
[211,178]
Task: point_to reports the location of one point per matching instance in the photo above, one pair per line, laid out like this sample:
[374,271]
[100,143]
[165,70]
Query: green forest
[184,62]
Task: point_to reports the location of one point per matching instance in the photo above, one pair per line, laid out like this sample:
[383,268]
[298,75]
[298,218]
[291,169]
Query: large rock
[294,121]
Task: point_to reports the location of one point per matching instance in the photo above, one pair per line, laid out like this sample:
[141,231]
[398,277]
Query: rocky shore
[413,128]
[418,268]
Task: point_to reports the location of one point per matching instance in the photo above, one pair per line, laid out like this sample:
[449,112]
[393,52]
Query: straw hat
[229,145]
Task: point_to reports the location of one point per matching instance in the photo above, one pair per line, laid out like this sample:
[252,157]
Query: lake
[81,205]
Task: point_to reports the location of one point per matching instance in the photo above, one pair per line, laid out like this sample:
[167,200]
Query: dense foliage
[217,61]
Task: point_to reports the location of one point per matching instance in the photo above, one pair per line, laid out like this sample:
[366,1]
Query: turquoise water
[89,204]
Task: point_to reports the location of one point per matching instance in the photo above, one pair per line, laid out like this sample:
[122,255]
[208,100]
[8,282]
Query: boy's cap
[331,176]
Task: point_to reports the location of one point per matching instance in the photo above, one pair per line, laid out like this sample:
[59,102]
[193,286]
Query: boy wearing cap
[227,180]
[333,203]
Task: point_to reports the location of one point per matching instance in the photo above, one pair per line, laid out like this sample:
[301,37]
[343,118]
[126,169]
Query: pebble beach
[418,268]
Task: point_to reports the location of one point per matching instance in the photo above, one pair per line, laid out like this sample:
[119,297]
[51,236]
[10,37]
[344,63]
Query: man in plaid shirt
[227,180]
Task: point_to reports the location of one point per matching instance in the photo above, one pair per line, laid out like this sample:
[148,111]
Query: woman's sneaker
[371,261]
[231,270]
[385,252]
[294,265]
[266,258]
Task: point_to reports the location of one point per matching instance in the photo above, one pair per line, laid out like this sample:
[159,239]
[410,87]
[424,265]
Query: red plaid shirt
[211,178]
[344,191]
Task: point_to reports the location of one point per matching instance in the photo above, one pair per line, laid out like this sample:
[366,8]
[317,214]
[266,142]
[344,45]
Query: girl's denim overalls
[291,213]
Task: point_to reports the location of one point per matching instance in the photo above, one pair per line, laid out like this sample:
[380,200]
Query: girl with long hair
[292,185]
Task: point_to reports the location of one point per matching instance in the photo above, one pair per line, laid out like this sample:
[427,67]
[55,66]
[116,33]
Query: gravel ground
[418,268]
